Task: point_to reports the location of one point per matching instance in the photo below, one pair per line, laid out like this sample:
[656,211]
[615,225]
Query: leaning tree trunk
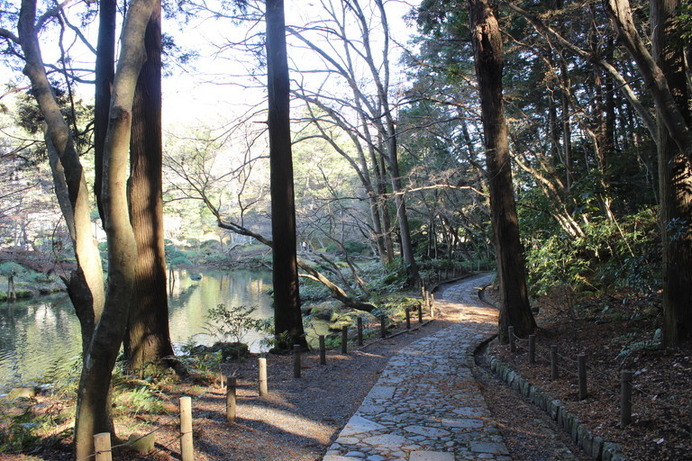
[675,185]
[93,398]
[287,316]
[147,340]
[487,44]
[668,109]
[85,284]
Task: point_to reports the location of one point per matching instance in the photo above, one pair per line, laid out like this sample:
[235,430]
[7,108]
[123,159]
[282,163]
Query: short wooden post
[231,385]
[408,318]
[360,331]
[420,313]
[625,397]
[383,329]
[323,351]
[554,373]
[510,335]
[344,340]
[186,448]
[296,360]
[102,446]
[262,381]
[581,368]
[532,349]
[432,306]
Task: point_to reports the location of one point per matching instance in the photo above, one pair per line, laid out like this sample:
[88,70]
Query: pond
[37,336]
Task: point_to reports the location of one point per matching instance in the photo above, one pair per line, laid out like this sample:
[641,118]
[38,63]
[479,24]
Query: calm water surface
[39,335]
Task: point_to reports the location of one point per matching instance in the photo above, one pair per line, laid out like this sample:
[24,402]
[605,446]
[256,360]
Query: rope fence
[103,448]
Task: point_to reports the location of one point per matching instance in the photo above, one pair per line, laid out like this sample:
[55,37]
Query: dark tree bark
[105,69]
[93,397]
[148,338]
[675,183]
[287,316]
[487,44]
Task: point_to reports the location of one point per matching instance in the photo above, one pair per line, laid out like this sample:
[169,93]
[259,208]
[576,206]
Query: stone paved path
[426,406]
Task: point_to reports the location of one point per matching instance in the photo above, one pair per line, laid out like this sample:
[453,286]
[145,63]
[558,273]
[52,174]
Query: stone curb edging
[593,445]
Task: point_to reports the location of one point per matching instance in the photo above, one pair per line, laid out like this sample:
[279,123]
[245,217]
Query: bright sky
[212,89]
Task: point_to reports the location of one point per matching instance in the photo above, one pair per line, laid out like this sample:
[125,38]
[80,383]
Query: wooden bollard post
[420,313]
[102,446]
[186,447]
[323,351]
[296,360]
[432,305]
[344,340]
[262,381]
[554,373]
[360,331]
[510,335]
[581,371]
[383,327]
[231,385]
[532,349]
[625,397]
[408,318]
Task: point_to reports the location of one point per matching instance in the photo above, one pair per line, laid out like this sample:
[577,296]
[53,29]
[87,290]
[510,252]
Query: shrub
[231,322]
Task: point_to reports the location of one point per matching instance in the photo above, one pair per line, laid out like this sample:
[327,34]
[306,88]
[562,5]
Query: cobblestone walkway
[426,406]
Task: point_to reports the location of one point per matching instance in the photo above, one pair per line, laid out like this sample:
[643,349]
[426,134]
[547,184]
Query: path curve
[426,406]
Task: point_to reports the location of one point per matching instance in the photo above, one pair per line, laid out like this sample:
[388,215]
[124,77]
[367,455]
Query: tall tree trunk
[93,398]
[389,133]
[565,104]
[383,204]
[287,316]
[105,69]
[400,203]
[487,44]
[85,284]
[675,184]
[148,338]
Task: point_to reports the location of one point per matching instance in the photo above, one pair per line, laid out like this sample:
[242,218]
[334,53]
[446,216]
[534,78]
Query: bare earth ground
[297,422]
[615,334]
[302,416]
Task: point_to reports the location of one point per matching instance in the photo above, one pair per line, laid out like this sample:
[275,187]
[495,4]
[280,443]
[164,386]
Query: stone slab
[431,456]
[388,441]
[427,431]
[489,447]
[381,392]
[358,425]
